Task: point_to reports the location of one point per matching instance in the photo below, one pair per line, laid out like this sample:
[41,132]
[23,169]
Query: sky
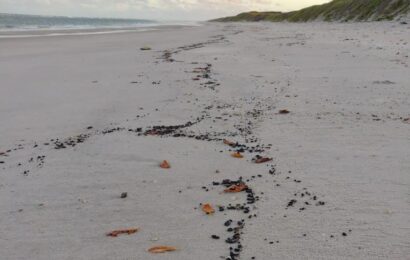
[150,9]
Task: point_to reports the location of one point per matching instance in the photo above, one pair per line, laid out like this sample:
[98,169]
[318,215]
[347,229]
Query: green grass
[337,10]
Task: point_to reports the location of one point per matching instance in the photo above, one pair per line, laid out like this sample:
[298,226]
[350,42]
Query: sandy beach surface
[86,118]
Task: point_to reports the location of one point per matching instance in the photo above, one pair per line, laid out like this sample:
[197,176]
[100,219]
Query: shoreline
[83,31]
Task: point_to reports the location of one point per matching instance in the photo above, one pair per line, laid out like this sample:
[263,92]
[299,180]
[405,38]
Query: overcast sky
[150,9]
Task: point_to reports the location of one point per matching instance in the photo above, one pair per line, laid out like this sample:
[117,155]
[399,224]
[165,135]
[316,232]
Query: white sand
[346,139]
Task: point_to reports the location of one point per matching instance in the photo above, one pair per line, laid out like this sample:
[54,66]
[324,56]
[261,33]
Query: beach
[87,119]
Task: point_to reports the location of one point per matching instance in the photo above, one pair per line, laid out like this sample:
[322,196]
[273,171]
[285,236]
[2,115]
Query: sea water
[17,22]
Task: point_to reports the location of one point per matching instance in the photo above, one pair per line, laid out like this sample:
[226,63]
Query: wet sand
[319,112]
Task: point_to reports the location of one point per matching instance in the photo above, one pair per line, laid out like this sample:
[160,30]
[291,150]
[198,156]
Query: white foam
[51,34]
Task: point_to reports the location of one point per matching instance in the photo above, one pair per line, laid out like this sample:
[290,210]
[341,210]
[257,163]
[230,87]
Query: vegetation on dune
[337,10]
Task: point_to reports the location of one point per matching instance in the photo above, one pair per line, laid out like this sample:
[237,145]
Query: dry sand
[345,142]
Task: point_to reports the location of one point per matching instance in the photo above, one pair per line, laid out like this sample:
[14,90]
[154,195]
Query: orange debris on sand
[208,209]
[165,165]
[161,249]
[115,233]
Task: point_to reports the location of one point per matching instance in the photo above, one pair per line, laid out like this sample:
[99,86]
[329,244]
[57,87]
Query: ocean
[18,22]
